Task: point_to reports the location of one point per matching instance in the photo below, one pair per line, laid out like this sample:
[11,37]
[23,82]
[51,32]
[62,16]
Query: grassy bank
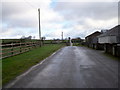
[111,56]
[14,66]
[0,74]
[106,54]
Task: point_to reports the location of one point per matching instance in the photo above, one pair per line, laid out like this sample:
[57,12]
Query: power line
[30,4]
[38,17]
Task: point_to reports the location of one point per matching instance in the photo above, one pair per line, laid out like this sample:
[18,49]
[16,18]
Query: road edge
[11,83]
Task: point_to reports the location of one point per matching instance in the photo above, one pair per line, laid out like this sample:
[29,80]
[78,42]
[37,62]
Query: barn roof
[111,32]
[94,34]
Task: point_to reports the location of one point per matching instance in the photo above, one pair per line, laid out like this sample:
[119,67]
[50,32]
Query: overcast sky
[76,18]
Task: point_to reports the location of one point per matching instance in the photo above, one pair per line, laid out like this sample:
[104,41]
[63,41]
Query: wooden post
[39,26]
[34,44]
[62,37]
[114,50]
[30,45]
[12,48]
[25,45]
[105,47]
[20,47]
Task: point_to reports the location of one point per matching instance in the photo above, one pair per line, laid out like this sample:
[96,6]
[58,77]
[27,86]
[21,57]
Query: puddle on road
[87,66]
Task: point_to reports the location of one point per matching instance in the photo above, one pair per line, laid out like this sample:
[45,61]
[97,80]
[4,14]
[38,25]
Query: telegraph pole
[39,26]
[62,36]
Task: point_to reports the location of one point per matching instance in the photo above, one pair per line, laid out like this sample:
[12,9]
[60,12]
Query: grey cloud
[74,13]
[95,10]
[50,34]
[11,8]
[78,12]
[11,12]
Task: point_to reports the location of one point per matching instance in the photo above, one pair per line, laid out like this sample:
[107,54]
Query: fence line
[13,49]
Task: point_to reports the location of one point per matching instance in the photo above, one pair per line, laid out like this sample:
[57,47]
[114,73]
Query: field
[17,48]
[16,65]
[11,47]
[0,73]
[8,41]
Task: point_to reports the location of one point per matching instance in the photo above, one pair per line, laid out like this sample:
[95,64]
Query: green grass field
[7,50]
[0,73]
[16,65]
[7,41]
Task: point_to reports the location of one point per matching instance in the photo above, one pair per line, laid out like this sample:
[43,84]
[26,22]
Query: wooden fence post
[32,44]
[26,46]
[114,50]
[12,49]
[20,47]
[35,44]
[29,45]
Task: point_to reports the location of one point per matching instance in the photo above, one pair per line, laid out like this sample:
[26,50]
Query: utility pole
[39,26]
[62,36]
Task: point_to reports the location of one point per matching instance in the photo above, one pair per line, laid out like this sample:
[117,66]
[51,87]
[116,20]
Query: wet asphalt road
[71,67]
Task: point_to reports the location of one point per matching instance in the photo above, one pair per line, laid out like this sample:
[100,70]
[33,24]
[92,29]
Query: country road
[71,67]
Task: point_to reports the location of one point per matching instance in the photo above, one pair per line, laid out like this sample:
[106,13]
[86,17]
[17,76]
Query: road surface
[71,67]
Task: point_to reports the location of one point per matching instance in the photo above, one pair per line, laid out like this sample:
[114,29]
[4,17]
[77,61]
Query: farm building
[92,40]
[111,40]
[77,40]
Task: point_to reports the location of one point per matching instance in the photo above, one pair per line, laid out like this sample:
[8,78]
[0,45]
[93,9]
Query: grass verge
[0,73]
[106,54]
[111,56]
[16,65]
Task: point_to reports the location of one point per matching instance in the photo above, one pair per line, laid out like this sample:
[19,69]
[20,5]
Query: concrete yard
[71,67]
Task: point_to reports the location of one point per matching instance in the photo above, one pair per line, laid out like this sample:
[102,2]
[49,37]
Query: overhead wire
[30,4]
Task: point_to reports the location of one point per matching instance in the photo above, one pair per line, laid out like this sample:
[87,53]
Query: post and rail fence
[13,49]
